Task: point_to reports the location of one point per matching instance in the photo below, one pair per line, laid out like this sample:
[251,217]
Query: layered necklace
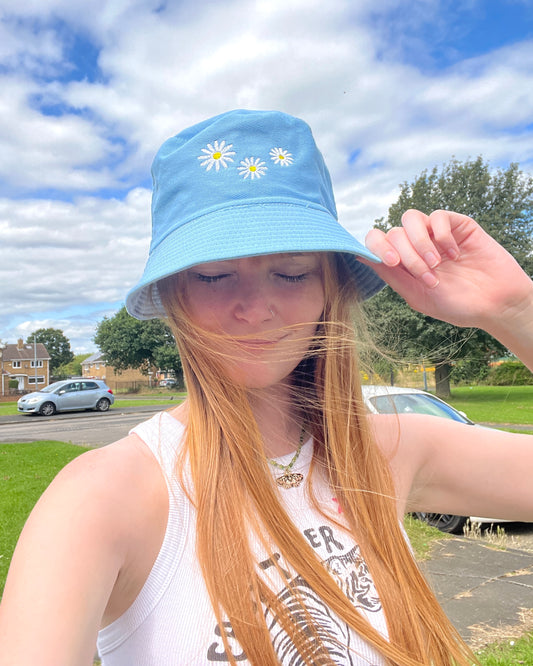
[290,479]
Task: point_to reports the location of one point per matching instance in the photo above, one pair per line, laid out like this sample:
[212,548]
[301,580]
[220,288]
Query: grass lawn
[26,469]
[509,652]
[495,404]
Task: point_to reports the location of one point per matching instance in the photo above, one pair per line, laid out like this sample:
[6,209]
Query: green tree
[72,369]
[57,345]
[127,342]
[502,202]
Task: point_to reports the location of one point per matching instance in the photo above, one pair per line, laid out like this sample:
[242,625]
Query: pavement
[487,592]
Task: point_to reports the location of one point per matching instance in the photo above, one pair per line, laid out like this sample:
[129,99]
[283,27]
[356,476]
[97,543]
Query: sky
[89,91]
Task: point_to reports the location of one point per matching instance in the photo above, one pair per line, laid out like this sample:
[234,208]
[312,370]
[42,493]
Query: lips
[259,343]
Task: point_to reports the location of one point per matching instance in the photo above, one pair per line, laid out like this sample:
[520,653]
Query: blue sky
[390,88]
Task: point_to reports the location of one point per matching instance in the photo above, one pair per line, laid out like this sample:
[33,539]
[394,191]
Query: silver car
[68,395]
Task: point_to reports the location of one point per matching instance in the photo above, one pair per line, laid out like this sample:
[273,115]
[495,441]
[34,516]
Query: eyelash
[210,279]
[293,278]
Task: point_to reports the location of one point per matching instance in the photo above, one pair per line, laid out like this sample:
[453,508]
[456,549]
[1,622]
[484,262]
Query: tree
[57,345]
[73,368]
[502,202]
[126,342]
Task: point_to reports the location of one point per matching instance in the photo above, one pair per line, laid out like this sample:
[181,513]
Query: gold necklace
[290,479]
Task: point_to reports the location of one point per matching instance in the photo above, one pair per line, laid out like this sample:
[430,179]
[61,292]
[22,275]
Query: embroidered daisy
[252,167]
[216,154]
[280,156]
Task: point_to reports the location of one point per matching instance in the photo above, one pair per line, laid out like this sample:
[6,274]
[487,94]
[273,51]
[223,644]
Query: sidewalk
[486,592]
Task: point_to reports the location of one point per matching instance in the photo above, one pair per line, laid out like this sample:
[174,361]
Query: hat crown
[237,158]
[241,184]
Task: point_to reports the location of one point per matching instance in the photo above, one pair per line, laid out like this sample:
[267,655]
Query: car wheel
[102,405]
[445,522]
[47,409]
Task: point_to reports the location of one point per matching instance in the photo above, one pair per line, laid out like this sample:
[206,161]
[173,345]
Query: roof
[97,357]
[25,352]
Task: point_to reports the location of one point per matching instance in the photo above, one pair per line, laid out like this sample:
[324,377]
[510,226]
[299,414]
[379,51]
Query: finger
[418,226]
[441,228]
[410,258]
[377,242]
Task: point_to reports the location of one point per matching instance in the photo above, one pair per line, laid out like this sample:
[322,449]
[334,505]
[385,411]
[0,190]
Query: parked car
[68,395]
[169,383]
[397,400]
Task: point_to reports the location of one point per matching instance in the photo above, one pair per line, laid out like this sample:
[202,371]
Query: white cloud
[66,254]
[161,69]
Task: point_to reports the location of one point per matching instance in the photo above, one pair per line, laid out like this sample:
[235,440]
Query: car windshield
[415,403]
[52,387]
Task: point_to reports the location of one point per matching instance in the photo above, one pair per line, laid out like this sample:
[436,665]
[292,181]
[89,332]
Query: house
[28,364]
[94,367]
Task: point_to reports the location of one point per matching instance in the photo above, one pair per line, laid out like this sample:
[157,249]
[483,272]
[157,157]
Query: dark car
[68,395]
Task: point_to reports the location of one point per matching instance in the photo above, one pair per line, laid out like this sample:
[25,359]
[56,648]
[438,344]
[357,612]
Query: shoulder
[409,441]
[399,435]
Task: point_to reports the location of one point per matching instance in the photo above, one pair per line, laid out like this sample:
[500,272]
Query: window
[88,386]
[36,364]
[40,380]
[15,364]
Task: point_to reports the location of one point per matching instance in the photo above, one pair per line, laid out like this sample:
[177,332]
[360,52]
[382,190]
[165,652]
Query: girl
[260,521]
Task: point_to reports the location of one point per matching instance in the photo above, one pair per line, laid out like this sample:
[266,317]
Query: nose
[253,303]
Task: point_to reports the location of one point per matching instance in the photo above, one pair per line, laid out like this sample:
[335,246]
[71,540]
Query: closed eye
[293,278]
[211,278]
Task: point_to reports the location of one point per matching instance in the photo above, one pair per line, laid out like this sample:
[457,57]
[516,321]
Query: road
[98,429]
[82,428]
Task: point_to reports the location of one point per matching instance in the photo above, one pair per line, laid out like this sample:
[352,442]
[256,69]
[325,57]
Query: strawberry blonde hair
[236,498]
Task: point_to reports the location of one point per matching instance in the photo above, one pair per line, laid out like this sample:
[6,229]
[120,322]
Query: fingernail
[391,258]
[430,280]
[453,254]
[431,259]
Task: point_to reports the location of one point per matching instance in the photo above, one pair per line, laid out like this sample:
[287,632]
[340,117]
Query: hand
[446,266]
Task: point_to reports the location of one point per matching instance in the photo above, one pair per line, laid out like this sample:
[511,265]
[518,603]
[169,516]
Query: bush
[469,371]
[510,373]
[13,384]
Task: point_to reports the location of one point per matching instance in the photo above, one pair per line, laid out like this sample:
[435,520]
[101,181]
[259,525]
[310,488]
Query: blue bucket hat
[241,184]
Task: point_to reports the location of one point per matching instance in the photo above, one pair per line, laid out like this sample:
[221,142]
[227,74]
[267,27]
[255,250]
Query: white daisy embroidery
[280,156]
[252,167]
[216,154]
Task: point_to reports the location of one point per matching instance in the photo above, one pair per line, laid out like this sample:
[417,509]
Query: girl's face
[268,306]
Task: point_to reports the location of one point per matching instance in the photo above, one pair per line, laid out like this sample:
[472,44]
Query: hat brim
[244,231]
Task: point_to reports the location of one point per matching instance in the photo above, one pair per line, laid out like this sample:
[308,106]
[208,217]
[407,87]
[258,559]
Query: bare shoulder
[405,435]
[103,490]
[123,468]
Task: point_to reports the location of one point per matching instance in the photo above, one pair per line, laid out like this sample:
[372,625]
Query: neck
[278,421]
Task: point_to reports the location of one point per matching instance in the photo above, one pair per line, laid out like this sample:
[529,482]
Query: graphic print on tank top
[351,573]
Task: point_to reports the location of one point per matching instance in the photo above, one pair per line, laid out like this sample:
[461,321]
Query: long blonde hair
[235,497]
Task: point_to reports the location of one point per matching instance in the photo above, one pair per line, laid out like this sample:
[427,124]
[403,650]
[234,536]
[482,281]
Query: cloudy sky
[89,90]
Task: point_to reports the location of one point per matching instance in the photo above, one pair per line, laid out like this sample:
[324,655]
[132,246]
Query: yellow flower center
[253,168]
[217,155]
[281,157]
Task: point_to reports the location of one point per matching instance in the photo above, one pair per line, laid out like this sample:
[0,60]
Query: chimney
[20,343]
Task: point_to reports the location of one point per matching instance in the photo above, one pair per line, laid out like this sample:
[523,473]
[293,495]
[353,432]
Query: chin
[260,375]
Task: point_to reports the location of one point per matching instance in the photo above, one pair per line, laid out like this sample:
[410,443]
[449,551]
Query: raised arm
[446,266]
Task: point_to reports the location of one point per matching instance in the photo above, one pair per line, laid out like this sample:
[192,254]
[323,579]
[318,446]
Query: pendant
[290,480]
